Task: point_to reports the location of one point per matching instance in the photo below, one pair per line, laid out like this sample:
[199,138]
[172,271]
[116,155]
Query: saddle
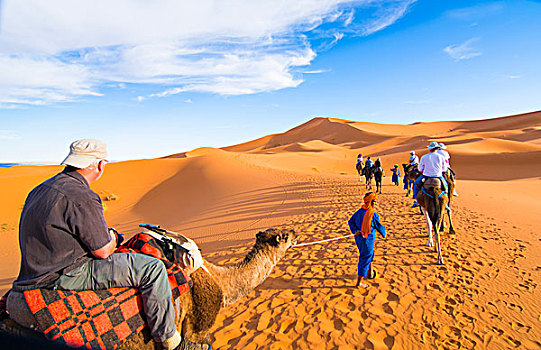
[431,182]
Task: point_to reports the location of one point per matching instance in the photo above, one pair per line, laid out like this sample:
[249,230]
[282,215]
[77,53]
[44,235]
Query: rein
[431,196]
[322,241]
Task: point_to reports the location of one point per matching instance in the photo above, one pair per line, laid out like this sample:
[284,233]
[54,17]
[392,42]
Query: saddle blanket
[100,319]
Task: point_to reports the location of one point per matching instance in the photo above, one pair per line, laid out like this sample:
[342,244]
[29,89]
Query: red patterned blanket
[100,319]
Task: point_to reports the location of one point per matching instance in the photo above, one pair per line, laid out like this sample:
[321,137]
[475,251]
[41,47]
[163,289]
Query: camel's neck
[237,281]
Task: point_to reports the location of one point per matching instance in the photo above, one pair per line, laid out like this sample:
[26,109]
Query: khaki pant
[143,272]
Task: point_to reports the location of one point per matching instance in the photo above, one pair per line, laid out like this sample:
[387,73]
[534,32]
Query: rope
[322,241]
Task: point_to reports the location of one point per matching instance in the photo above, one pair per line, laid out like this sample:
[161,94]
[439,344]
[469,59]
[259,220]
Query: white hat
[433,145]
[442,145]
[84,152]
[412,152]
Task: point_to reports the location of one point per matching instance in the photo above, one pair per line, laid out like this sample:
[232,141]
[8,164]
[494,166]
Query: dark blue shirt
[61,223]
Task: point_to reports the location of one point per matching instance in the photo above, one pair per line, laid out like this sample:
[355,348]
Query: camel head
[274,239]
[272,242]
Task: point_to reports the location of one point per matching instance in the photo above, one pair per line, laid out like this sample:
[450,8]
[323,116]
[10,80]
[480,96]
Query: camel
[368,174]
[214,287]
[359,166]
[411,173]
[433,202]
[378,174]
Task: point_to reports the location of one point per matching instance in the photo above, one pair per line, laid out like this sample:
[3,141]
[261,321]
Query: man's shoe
[455,194]
[415,205]
[185,344]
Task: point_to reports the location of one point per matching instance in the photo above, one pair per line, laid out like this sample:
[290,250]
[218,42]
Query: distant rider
[359,159]
[369,163]
[414,159]
[431,165]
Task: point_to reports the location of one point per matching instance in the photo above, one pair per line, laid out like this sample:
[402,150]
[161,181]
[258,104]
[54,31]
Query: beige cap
[84,152]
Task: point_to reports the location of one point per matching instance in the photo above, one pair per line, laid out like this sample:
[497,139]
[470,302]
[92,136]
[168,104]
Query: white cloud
[8,135]
[463,51]
[513,77]
[387,15]
[476,12]
[61,50]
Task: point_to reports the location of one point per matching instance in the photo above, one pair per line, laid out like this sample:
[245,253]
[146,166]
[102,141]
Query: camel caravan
[87,287]
[434,182]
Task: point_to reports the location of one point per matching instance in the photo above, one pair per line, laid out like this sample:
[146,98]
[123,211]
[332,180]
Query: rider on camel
[65,244]
[447,157]
[431,165]
[359,159]
[369,163]
[414,159]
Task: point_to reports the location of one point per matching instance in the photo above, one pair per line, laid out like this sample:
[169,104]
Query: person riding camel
[364,224]
[448,171]
[377,163]
[414,159]
[65,244]
[431,165]
[367,165]
[359,159]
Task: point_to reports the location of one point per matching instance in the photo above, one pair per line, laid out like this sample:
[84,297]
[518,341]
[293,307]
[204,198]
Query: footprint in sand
[519,327]
[513,306]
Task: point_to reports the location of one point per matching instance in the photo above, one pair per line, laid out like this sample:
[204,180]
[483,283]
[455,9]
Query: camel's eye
[277,238]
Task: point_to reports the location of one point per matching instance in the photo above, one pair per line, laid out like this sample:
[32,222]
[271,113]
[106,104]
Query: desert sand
[486,295]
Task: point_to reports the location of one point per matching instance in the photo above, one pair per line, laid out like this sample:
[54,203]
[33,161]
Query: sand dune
[486,296]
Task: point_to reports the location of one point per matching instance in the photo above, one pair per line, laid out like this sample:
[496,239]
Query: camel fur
[411,173]
[368,174]
[359,166]
[378,174]
[433,204]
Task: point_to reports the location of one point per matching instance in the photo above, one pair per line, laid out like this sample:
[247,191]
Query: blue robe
[365,245]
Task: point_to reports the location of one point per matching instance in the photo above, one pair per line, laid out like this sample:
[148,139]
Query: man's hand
[119,237]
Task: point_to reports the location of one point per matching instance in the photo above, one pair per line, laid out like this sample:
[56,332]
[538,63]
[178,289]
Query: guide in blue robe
[365,245]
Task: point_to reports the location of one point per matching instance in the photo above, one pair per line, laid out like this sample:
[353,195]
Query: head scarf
[369,214]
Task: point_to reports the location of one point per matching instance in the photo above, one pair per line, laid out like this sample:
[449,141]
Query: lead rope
[322,241]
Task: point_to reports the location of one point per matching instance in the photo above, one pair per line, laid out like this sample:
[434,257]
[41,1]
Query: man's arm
[108,249]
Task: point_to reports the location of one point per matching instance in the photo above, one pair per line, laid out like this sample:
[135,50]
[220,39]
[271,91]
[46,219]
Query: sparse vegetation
[108,196]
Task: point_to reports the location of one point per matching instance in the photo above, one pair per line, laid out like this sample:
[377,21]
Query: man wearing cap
[65,244]
[431,165]
[447,157]
[414,159]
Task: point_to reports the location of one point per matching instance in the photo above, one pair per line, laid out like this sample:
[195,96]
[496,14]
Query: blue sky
[152,78]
